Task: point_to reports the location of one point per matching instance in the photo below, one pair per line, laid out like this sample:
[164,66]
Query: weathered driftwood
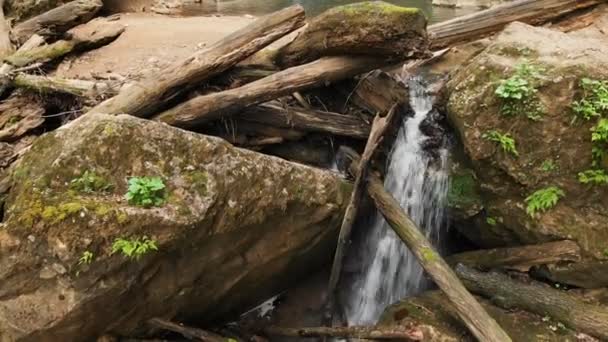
[188,332]
[57,21]
[534,297]
[520,258]
[88,36]
[378,91]
[307,120]
[373,332]
[147,96]
[19,114]
[6,47]
[376,29]
[205,108]
[470,311]
[81,88]
[379,127]
[483,23]
[590,274]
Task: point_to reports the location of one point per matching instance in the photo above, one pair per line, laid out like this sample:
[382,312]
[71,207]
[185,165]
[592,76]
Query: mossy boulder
[366,28]
[439,322]
[234,227]
[553,145]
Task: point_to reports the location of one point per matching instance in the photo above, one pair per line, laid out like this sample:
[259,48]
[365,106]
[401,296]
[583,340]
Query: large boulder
[552,147]
[231,227]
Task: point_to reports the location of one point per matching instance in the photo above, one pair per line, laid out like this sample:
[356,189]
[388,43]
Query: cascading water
[419,181]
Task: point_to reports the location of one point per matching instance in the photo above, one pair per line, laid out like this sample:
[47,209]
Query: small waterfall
[419,181]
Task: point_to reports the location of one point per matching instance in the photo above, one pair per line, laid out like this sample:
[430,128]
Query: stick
[374,332]
[147,96]
[188,332]
[543,300]
[469,310]
[379,127]
[205,108]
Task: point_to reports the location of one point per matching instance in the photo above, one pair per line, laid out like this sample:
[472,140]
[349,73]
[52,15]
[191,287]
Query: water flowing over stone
[419,183]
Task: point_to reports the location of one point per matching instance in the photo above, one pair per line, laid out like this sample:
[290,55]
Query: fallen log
[373,332]
[484,23]
[81,88]
[205,108]
[6,69]
[5,42]
[589,274]
[56,21]
[520,258]
[543,300]
[376,135]
[149,95]
[188,332]
[307,120]
[378,91]
[481,325]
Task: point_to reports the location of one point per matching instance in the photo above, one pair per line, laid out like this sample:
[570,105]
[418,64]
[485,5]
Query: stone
[232,228]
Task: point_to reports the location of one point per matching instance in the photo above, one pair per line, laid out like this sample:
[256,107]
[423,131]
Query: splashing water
[419,183]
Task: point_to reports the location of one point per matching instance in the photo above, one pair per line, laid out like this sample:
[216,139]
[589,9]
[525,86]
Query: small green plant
[146,191]
[594,102]
[504,140]
[543,199]
[548,166]
[491,221]
[517,92]
[133,248]
[598,177]
[90,182]
[86,258]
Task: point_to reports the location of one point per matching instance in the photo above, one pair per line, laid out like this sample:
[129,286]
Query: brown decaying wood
[81,88]
[483,23]
[57,21]
[205,108]
[307,120]
[188,332]
[378,91]
[470,311]
[147,96]
[5,42]
[534,297]
[372,332]
[379,126]
[520,258]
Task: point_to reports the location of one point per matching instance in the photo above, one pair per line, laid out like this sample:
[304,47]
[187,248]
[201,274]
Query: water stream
[419,181]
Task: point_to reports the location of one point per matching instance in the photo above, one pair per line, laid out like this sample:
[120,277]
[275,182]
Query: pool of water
[313,7]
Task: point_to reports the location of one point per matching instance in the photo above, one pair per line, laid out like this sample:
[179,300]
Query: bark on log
[306,120]
[484,23]
[6,68]
[5,42]
[591,274]
[19,114]
[543,300]
[57,21]
[373,332]
[379,91]
[188,332]
[520,258]
[81,88]
[379,127]
[205,108]
[470,311]
[147,96]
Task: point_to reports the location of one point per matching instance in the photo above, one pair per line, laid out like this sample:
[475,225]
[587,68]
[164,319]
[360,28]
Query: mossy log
[521,258]
[80,88]
[206,108]
[151,94]
[410,333]
[534,297]
[375,28]
[484,23]
[474,316]
[57,21]
[307,120]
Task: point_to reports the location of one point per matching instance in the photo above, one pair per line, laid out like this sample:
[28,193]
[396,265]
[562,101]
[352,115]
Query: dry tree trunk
[520,258]
[81,88]
[483,23]
[147,96]
[56,21]
[205,108]
[542,300]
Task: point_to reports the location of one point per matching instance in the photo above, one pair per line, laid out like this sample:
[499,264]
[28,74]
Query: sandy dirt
[150,43]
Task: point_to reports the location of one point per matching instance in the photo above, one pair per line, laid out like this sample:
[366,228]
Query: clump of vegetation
[86,258]
[598,177]
[90,182]
[517,92]
[146,192]
[506,141]
[133,248]
[491,221]
[599,137]
[548,166]
[594,102]
[543,199]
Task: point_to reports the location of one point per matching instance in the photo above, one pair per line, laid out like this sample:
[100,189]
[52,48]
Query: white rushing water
[419,182]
